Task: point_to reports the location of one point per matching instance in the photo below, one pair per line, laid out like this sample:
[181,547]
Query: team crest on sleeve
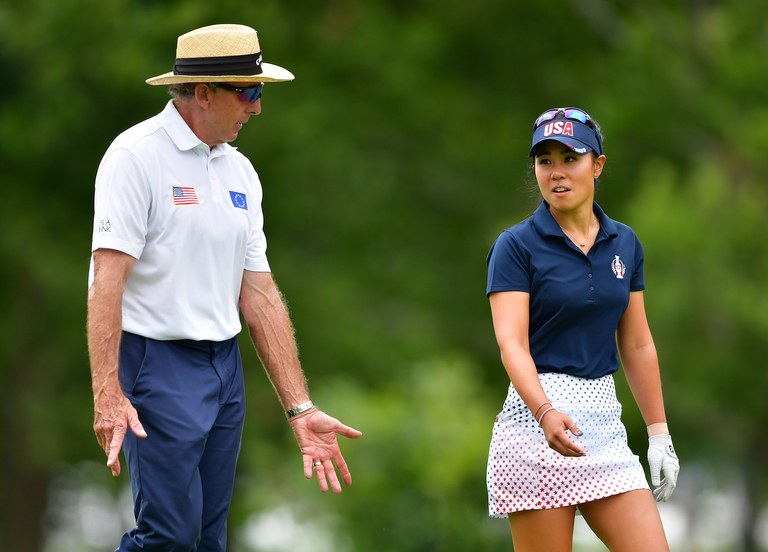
[239,200]
[104,227]
[185,195]
[618,267]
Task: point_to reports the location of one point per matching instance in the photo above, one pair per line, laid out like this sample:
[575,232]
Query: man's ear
[203,94]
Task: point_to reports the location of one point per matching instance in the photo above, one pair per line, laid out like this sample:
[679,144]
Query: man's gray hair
[182,91]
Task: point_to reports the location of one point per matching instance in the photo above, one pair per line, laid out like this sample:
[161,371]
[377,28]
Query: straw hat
[221,53]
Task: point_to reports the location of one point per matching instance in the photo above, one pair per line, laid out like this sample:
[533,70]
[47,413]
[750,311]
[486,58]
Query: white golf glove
[662,460]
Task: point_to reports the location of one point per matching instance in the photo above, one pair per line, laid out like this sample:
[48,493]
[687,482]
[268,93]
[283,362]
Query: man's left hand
[316,434]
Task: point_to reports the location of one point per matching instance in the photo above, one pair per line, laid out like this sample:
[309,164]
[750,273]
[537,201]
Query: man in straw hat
[179,253]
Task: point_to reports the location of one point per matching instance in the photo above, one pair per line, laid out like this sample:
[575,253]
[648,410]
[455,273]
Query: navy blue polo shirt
[576,300]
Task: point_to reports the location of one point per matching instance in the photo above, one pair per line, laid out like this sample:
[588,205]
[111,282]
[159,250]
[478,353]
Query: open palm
[316,434]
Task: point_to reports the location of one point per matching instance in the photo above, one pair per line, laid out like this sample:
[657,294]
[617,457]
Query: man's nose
[254,108]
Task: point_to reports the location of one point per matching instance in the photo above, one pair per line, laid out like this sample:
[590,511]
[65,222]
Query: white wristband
[660,428]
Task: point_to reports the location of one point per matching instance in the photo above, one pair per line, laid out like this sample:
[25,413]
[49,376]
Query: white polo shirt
[191,216]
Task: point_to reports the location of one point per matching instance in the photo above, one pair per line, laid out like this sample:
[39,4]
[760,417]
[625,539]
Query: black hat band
[248,64]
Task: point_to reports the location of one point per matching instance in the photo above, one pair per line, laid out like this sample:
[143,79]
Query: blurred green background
[389,166]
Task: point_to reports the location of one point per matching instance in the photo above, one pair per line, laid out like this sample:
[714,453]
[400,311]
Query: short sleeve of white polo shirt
[256,253]
[121,204]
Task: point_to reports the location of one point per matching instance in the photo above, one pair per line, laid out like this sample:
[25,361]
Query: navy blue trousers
[190,398]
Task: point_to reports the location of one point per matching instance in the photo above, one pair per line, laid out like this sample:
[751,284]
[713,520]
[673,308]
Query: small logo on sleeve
[239,200]
[104,227]
[184,195]
[618,267]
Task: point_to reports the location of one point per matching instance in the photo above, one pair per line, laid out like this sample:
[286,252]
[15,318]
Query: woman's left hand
[557,426]
[662,461]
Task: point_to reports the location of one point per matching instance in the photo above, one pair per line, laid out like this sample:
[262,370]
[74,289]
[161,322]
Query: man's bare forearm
[104,332]
[104,326]
[271,330]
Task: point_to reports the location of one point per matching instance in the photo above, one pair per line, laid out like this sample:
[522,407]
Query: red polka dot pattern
[525,474]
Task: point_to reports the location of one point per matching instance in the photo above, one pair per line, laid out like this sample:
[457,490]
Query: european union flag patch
[239,200]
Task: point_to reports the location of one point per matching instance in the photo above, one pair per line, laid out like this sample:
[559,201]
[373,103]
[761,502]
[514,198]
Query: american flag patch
[184,195]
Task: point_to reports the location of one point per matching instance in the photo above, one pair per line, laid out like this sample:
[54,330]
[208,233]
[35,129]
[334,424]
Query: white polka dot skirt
[525,474]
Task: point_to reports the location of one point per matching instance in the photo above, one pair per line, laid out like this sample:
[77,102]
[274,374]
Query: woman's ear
[598,165]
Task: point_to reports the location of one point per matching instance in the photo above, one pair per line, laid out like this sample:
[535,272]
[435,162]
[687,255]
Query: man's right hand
[112,418]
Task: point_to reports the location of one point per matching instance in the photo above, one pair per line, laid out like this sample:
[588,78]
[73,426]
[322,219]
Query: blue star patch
[239,200]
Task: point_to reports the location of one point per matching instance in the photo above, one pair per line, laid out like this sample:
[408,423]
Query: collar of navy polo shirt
[546,225]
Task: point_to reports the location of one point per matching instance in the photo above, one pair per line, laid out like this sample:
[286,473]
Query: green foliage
[389,166]
[716,270]
[418,469]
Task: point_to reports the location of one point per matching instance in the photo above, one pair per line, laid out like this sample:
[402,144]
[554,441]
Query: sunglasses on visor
[572,113]
[249,95]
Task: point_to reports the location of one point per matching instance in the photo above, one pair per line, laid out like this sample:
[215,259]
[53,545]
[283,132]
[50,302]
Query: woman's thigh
[543,530]
[627,522]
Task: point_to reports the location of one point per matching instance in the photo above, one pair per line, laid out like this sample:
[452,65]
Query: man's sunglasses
[571,113]
[249,95]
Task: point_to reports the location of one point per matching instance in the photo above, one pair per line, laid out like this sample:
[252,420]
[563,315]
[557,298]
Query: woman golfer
[566,294]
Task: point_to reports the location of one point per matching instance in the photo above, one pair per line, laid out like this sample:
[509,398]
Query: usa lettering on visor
[563,128]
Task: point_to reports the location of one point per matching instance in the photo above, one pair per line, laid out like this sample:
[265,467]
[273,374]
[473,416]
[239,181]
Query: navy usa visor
[577,136]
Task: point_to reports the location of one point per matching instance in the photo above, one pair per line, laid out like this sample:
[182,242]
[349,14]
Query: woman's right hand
[558,428]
